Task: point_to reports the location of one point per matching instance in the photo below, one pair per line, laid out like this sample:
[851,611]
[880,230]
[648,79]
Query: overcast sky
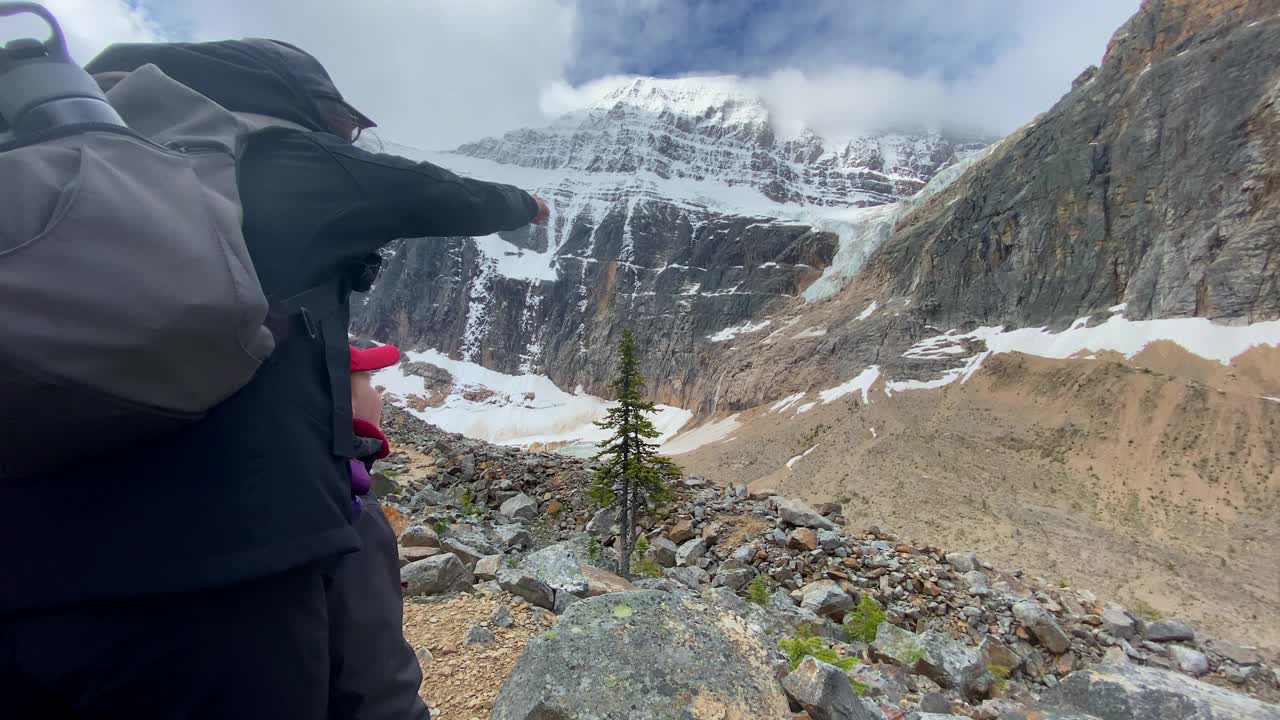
[436,73]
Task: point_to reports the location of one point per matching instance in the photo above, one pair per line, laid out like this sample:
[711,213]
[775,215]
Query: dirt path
[460,682]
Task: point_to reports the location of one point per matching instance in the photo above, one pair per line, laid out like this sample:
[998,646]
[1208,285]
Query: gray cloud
[436,73]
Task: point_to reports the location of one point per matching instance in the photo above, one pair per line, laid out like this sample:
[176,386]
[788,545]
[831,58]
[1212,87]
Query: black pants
[375,674]
[321,642]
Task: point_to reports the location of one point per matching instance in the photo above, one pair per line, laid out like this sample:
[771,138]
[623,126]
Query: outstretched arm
[421,199]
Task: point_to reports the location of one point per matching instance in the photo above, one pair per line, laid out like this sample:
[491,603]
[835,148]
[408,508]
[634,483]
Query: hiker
[186,576]
[375,672]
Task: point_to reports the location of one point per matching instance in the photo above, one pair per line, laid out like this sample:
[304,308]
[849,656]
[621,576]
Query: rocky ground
[490,527]
[1154,480]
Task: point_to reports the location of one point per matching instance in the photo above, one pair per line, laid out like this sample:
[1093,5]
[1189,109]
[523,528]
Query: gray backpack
[128,302]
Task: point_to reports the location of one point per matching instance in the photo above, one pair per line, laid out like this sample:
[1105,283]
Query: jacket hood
[265,77]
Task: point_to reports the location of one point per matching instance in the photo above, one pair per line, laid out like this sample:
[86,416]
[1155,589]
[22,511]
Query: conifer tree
[633,473]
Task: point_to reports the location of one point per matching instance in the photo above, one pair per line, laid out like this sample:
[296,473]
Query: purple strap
[360,483]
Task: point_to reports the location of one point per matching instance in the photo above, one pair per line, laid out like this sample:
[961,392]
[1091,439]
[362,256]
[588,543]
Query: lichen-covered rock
[643,655]
[824,692]
[558,566]
[1123,691]
[439,574]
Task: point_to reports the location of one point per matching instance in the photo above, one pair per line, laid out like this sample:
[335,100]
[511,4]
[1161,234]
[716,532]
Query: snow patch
[516,262]
[802,455]
[873,433]
[863,382]
[699,436]
[786,402]
[511,409]
[867,313]
[746,328]
[811,332]
[1198,336]
[805,408]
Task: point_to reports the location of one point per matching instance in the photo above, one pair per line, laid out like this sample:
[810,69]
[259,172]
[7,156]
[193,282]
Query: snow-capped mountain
[715,128]
[677,210]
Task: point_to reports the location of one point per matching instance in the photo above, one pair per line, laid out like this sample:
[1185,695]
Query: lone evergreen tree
[632,473]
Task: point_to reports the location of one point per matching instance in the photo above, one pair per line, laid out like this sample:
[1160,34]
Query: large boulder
[1117,621]
[1170,631]
[643,655]
[514,536]
[520,507]
[1189,660]
[1042,625]
[602,524]
[691,552]
[734,574]
[524,584]
[824,691]
[664,552]
[803,539]
[934,655]
[826,598]
[1118,690]
[559,566]
[466,553]
[682,531]
[419,536]
[603,582]
[487,567]
[439,574]
[800,514]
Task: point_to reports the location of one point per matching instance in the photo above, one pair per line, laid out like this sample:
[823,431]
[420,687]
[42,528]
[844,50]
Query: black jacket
[254,488]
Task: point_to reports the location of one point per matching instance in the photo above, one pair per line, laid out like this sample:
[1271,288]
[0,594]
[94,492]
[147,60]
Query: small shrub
[512,562]
[1147,612]
[469,503]
[440,527]
[757,591]
[861,623]
[805,644]
[641,564]
[593,549]
[859,688]
[1001,674]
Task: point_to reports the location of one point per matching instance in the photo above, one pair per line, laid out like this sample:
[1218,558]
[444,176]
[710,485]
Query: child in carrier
[374,672]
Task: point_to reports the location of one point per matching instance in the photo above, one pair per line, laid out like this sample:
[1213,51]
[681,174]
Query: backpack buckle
[309,323]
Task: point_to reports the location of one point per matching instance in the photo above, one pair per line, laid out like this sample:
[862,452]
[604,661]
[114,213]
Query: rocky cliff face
[1153,184]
